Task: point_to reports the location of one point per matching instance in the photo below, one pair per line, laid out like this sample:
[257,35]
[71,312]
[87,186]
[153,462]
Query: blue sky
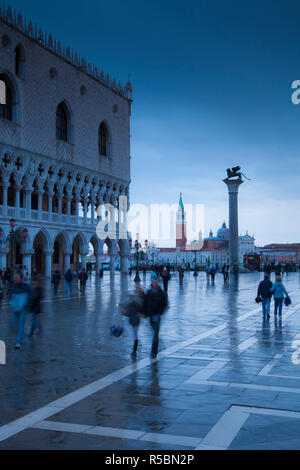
[212,89]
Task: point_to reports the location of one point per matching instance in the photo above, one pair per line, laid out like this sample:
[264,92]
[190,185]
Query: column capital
[233,185]
[48,252]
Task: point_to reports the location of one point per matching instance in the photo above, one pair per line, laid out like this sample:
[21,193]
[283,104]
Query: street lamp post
[137,248]
[195,268]
[13,237]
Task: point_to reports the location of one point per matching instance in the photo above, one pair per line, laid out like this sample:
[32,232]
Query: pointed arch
[105,139]
[9,98]
[64,122]
[20,61]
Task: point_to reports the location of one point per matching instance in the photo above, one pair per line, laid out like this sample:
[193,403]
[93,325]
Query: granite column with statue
[233,188]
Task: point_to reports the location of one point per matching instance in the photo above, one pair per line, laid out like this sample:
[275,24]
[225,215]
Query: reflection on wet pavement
[218,358]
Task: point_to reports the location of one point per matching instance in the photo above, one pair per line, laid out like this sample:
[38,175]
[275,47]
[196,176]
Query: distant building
[211,250]
[280,252]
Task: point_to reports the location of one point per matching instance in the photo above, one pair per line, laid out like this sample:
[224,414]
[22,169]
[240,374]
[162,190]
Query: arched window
[103,139]
[62,122]
[6,101]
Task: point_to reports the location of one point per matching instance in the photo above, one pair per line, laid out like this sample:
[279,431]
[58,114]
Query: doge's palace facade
[64,151]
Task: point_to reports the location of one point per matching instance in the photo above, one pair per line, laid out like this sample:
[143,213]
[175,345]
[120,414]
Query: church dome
[223,232]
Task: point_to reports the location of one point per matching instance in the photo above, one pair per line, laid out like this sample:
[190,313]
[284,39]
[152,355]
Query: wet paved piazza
[222,380]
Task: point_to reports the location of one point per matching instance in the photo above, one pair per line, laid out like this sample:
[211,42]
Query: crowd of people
[25,296]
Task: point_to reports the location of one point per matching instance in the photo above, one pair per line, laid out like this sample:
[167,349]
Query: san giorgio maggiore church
[64,152]
[211,250]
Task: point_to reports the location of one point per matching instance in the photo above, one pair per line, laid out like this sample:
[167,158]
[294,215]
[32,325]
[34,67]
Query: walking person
[134,309]
[165,277]
[279,292]
[223,271]
[207,271]
[37,295]
[264,292]
[69,279]
[56,278]
[19,297]
[83,277]
[155,305]
[212,273]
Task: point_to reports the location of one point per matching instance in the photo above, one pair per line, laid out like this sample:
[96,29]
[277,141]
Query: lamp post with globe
[14,237]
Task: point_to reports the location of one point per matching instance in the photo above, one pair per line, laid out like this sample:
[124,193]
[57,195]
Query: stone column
[233,188]
[17,201]
[98,262]
[83,256]
[93,211]
[112,263]
[48,263]
[26,259]
[59,195]
[69,208]
[84,212]
[77,209]
[66,261]
[124,264]
[50,200]
[40,208]
[28,203]
[5,189]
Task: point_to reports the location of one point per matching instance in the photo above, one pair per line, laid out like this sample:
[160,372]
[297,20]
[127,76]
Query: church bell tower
[180,225]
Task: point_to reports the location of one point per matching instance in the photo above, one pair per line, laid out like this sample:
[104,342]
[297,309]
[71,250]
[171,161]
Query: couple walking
[150,305]
[265,291]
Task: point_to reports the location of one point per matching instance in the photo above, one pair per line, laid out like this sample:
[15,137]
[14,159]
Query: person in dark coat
[69,279]
[264,291]
[83,277]
[155,305]
[56,278]
[165,277]
[35,308]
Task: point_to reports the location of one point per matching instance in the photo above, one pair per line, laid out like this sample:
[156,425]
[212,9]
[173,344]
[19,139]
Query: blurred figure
[19,296]
[207,271]
[37,294]
[56,278]
[83,277]
[134,309]
[212,273]
[155,305]
[165,277]
[279,292]
[69,279]
[235,271]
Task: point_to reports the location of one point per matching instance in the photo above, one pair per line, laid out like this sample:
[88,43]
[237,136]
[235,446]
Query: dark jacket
[264,289]
[83,277]
[68,276]
[17,289]
[56,278]
[166,276]
[155,302]
[35,302]
[135,305]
